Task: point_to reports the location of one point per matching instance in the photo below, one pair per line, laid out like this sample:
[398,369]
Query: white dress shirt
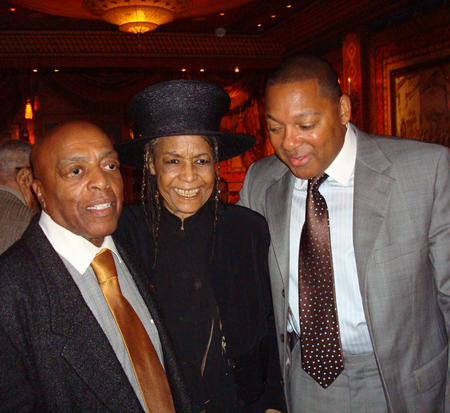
[77,254]
[338,192]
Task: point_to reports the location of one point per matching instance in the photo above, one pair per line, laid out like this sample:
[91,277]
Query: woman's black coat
[240,279]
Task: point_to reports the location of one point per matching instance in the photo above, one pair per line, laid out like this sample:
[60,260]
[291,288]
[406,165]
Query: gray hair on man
[14,155]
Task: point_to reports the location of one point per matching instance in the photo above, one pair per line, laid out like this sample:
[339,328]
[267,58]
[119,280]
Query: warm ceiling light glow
[183,70]
[12,9]
[35,70]
[202,70]
[259,24]
[28,110]
[236,69]
[56,70]
[136,16]
[289,6]
[222,14]
[273,16]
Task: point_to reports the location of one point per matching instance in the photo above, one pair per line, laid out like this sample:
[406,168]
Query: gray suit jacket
[402,248]
[54,355]
[15,217]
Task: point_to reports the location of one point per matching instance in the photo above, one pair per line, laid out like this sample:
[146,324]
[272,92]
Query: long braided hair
[150,195]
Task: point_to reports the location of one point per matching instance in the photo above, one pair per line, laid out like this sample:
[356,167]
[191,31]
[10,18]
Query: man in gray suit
[388,201]
[17,201]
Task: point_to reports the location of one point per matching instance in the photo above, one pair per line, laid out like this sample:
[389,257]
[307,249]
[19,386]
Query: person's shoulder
[17,265]
[6,196]
[13,207]
[32,247]
[133,210]
[404,148]
[270,164]
[132,215]
[264,173]
[242,228]
[241,217]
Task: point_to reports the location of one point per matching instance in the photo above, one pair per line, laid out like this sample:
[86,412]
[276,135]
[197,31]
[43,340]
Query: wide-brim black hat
[180,107]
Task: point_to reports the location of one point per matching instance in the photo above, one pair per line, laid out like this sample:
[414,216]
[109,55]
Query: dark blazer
[240,279]
[54,356]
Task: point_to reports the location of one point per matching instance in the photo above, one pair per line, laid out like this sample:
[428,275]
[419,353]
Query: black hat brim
[131,152]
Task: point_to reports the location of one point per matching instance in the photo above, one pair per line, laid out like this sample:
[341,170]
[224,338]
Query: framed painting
[420,100]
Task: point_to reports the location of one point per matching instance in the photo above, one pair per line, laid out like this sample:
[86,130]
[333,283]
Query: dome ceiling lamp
[137,16]
[93,10]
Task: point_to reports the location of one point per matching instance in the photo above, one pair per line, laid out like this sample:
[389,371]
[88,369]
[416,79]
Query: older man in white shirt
[64,347]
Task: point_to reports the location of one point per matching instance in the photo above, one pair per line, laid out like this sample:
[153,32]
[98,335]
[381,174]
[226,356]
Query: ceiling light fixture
[137,16]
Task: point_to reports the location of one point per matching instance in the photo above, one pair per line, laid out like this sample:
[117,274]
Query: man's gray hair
[13,154]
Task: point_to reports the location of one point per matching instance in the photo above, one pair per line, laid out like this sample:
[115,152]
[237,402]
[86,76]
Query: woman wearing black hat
[205,261]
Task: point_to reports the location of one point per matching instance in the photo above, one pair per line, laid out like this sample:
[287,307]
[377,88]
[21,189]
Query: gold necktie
[148,370]
[321,348]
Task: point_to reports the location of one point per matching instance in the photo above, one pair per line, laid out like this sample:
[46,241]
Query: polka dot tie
[320,342]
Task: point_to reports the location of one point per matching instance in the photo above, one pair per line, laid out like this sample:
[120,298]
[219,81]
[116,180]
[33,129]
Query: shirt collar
[342,167]
[74,248]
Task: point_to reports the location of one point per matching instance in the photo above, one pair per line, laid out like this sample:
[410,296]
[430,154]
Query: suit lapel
[83,342]
[278,201]
[373,189]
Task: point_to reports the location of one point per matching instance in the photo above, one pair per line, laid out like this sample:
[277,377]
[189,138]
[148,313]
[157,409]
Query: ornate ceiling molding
[76,45]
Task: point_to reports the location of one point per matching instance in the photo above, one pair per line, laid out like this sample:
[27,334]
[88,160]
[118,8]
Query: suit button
[282,338]
[282,293]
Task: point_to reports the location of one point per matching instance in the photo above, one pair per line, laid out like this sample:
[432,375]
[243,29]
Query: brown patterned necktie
[150,375]
[321,348]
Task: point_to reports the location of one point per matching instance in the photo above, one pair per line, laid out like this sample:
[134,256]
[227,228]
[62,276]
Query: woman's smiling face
[185,172]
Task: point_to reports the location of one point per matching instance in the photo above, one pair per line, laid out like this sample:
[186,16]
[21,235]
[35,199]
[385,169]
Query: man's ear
[24,179]
[38,190]
[345,108]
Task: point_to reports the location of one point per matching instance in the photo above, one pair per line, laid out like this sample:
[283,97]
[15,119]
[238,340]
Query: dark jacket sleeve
[243,292]
[273,397]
